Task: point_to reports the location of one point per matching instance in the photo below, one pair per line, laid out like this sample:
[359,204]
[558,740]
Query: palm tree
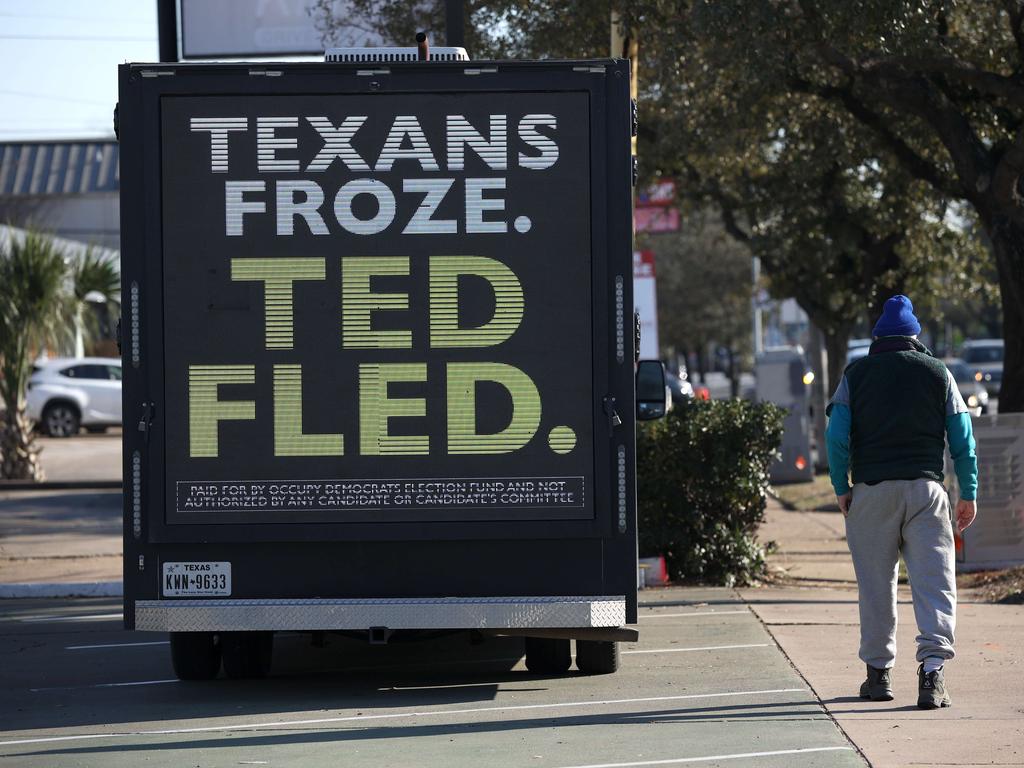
[95,278]
[33,305]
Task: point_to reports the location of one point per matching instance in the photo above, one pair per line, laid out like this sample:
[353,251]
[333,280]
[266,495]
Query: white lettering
[423,221]
[308,209]
[268,143]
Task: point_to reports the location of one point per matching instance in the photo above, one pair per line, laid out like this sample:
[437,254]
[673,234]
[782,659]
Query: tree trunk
[819,392]
[1007,236]
[734,376]
[835,349]
[19,455]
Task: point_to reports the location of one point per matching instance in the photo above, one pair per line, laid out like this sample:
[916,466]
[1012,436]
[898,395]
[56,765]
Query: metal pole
[167,29]
[454,23]
[755,307]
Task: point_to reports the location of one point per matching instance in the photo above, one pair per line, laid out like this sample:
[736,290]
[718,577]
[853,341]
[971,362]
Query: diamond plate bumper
[394,613]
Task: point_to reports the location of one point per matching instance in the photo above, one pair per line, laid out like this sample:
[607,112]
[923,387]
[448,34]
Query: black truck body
[378,346]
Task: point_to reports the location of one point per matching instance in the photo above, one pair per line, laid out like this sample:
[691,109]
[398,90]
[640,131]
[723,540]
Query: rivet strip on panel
[620,320]
[134,324]
[136,495]
[622,488]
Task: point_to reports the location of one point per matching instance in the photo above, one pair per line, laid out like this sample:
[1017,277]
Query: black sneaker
[931,689]
[878,686]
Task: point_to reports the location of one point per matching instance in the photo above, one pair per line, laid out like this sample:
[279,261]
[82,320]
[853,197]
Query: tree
[96,279]
[806,188]
[704,289]
[738,100]
[937,84]
[33,303]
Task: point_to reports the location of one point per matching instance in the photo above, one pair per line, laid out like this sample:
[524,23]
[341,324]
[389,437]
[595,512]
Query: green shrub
[702,479]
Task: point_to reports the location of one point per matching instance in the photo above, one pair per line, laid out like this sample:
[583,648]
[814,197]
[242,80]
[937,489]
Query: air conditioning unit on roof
[389,54]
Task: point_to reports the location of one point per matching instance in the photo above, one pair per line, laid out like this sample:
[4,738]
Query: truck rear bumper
[214,615]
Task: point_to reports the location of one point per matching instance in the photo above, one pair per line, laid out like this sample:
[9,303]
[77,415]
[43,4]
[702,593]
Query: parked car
[65,394]
[985,356]
[971,390]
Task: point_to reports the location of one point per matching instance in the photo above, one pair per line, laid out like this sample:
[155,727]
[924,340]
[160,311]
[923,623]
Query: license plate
[197,579]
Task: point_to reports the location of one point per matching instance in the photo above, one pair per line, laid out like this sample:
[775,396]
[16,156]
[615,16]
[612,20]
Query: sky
[58,64]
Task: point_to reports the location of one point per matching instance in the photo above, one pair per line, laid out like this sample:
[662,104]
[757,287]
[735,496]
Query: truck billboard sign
[377,312]
[375,315]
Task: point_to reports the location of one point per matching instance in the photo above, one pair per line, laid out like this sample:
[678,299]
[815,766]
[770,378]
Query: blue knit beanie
[897,319]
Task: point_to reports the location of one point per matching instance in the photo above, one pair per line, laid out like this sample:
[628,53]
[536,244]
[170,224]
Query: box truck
[378,344]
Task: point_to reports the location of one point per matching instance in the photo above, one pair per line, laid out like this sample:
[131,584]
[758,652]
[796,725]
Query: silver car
[985,357]
[65,394]
[973,392]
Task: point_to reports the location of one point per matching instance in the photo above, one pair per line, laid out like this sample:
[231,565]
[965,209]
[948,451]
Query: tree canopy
[857,146]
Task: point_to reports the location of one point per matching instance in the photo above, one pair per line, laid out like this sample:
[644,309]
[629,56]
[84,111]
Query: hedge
[702,477]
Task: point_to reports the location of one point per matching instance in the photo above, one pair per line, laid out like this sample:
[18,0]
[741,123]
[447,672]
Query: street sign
[656,219]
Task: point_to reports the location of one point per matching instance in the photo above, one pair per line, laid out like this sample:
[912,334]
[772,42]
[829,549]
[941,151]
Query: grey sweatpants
[912,517]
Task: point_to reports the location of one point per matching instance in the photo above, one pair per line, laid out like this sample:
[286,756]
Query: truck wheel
[597,657]
[247,654]
[548,656]
[195,655]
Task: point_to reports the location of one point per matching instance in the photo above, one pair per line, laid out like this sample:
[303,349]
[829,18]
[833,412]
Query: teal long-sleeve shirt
[958,433]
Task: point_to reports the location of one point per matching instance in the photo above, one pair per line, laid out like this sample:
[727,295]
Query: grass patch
[815,496]
[1006,586]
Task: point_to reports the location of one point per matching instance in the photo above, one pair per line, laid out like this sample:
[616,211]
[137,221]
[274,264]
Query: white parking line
[114,645]
[88,617]
[692,614]
[106,685]
[705,758]
[399,715]
[700,648]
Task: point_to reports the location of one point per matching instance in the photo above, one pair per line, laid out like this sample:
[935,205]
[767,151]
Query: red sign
[643,264]
[656,219]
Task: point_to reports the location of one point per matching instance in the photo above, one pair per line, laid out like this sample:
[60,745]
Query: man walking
[888,421]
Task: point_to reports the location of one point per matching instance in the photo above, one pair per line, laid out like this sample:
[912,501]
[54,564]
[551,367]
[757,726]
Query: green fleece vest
[898,415]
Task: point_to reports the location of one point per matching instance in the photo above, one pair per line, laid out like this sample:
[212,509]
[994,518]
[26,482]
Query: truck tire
[247,654]
[597,657]
[195,655]
[548,656]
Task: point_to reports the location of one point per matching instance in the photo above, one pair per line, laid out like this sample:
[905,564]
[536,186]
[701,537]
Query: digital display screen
[377,307]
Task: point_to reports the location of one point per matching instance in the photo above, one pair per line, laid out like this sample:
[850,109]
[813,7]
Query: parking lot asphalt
[84,457]
[705,685]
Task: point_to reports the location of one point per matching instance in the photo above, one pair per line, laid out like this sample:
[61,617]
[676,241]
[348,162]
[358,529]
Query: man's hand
[965,513]
[844,503]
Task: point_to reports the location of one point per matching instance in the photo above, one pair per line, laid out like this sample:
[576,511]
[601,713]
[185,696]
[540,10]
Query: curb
[60,485]
[57,589]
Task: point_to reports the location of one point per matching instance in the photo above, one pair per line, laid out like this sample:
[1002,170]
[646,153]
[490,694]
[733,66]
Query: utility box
[378,313]
[783,379]
[996,538]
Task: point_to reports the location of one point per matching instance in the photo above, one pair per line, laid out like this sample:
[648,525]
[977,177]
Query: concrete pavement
[84,457]
[814,619]
[811,615]
[60,536]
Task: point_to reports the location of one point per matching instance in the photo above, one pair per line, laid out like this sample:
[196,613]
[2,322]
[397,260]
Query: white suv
[65,394]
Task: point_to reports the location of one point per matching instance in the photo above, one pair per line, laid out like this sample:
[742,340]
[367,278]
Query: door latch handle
[614,420]
[146,420]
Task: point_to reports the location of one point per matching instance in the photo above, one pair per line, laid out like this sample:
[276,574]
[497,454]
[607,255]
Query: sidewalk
[60,536]
[813,617]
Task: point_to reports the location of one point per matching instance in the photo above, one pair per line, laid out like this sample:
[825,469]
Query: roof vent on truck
[389,54]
